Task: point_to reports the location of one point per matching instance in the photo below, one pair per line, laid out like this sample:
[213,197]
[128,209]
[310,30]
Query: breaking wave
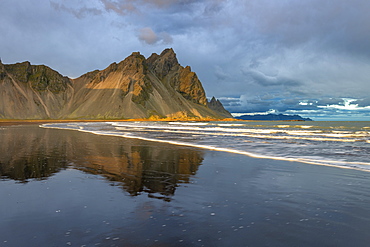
[323,143]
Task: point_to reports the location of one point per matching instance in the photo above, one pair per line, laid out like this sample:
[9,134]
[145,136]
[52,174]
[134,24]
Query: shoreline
[227,150]
[85,189]
[5,122]
[210,148]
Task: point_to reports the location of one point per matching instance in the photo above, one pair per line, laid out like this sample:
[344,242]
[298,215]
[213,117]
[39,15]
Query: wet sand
[67,188]
[9,122]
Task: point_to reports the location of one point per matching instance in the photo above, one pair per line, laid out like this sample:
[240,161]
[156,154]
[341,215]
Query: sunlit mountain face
[157,87]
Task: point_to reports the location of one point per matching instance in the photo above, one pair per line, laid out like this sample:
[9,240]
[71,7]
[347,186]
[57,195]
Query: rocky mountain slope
[156,87]
[217,106]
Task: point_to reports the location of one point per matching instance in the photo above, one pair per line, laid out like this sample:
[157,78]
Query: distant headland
[273,117]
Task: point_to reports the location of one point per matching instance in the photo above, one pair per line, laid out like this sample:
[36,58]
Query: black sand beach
[68,188]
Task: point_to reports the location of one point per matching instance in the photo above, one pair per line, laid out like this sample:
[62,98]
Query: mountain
[32,91]
[217,106]
[273,117]
[156,87]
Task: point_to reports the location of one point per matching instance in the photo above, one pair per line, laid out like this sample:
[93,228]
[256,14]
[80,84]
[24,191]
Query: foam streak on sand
[329,143]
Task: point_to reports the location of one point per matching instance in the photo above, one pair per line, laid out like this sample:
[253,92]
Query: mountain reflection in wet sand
[69,188]
[142,168]
[34,153]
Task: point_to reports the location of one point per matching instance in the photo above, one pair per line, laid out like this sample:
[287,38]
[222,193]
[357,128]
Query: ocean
[340,144]
[184,184]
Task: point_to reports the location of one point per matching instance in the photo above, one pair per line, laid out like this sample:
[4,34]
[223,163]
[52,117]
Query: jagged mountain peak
[162,64]
[136,87]
[213,100]
[168,53]
[216,105]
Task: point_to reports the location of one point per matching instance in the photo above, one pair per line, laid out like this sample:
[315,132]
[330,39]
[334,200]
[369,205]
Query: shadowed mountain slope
[217,106]
[32,91]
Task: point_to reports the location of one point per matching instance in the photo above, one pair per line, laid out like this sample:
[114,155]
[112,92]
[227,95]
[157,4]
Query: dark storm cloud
[363,102]
[230,102]
[266,80]
[79,13]
[220,74]
[124,7]
[330,101]
[334,24]
[283,55]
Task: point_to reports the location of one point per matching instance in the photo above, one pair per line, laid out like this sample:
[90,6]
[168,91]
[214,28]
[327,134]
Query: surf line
[228,150]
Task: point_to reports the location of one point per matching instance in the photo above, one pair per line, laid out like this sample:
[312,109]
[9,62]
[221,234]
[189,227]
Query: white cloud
[347,106]
[148,36]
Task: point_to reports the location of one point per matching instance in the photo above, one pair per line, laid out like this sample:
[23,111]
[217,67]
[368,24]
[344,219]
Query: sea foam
[340,146]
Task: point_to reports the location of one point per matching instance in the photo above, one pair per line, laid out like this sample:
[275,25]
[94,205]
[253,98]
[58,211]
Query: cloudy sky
[307,57]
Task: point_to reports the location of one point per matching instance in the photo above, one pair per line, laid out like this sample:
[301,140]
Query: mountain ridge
[156,87]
